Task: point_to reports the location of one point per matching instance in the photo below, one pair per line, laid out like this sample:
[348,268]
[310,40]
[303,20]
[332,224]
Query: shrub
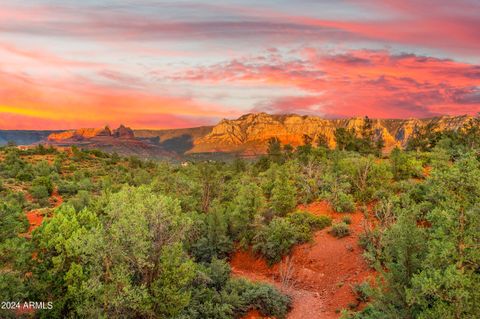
[340,230]
[39,192]
[85,184]
[343,203]
[362,291]
[314,222]
[67,188]
[403,165]
[268,300]
[277,238]
[245,295]
[43,181]
[347,220]
[25,174]
[213,240]
[80,201]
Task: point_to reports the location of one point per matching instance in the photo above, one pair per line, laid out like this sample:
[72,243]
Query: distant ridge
[246,135]
[250,133]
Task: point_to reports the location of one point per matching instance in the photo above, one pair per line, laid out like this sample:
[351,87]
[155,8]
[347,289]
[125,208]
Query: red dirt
[426,171]
[56,199]
[254,314]
[323,271]
[35,218]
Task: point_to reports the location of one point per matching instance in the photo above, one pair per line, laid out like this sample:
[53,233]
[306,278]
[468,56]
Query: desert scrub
[343,203]
[312,222]
[347,220]
[340,230]
[277,239]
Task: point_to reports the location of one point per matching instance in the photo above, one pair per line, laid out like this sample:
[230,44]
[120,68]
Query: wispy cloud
[359,82]
[182,63]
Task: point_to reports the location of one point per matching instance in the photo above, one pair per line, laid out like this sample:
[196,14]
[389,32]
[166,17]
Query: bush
[67,188]
[343,203]
[80,201]
[213,240]
[44,181]
[403,165]
[362,291]
[277,239]
[245,295]
[340,230]
[301,218]
[39,192]
[216,295]
[347,220]
[305,224]
[268,300]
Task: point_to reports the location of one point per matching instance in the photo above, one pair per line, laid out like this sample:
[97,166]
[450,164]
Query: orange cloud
[361,82]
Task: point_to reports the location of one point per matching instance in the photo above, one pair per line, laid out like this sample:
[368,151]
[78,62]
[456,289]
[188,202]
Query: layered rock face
[250,133]
[88,133]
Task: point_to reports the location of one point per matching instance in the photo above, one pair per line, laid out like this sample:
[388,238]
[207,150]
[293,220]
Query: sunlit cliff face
[159,64]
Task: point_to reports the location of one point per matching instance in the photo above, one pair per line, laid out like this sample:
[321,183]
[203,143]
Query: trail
[324,271]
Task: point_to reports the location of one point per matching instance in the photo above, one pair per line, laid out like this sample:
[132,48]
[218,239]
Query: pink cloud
[358,82]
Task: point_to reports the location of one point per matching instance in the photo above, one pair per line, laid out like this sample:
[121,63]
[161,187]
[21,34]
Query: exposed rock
[123,132]
[250,133]
[80,134]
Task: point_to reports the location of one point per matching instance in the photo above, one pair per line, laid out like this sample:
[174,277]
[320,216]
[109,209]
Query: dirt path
[323,271]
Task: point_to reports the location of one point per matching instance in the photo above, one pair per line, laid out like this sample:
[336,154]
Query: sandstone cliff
[79,134]
[88,133]
[250,133]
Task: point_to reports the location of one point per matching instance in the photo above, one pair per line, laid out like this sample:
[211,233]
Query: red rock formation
[250,133]
[123,132]
[80,134]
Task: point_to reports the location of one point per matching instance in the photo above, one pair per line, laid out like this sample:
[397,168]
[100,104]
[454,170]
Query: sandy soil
[323,272]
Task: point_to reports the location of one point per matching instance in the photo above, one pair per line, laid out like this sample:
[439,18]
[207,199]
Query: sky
[171,64]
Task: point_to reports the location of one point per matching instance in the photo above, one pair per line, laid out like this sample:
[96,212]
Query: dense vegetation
[144,239]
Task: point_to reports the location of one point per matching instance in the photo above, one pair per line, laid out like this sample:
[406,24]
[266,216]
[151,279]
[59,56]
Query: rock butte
[86,133]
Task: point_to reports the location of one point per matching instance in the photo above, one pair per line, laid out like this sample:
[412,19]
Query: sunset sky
[168,64]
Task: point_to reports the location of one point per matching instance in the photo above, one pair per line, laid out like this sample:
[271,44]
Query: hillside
[175,140]
[250,133]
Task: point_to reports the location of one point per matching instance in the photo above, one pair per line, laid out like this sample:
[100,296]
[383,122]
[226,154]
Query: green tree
[448,284]
[274,150]
[213,240]
[403,165]
[170,290]
[284,194]
[404,251]
[247,208]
